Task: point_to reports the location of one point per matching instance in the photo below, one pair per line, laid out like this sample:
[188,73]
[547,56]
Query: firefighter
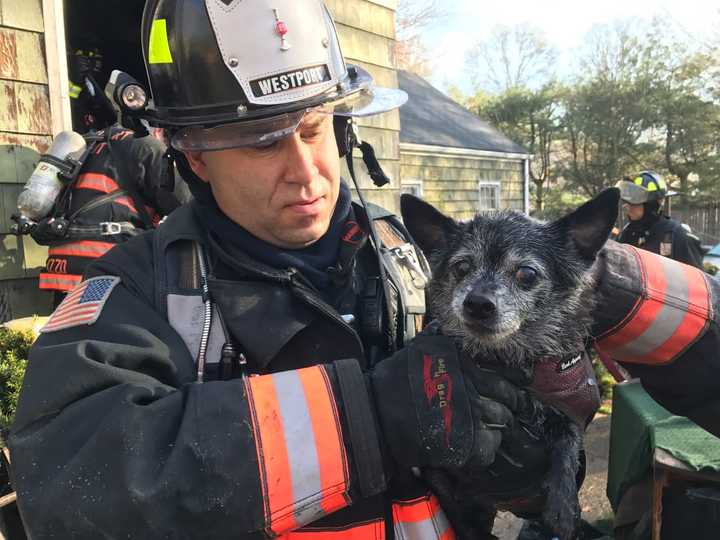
[648,228]
[121,189]
[252,367]
[91,110]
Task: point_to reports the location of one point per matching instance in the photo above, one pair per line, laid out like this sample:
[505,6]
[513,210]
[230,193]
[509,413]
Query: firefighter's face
[285,193]
[634,212]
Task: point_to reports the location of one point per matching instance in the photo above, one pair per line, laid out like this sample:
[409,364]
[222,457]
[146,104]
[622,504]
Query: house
[455,160]
[35,38]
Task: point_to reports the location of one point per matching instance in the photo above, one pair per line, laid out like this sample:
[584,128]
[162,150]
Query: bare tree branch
[510,57]
[412,18]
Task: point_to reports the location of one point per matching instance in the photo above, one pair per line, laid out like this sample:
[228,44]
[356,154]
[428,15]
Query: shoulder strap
[62,206]
[124,180]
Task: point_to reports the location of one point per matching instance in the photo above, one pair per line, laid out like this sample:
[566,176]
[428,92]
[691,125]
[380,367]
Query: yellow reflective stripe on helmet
[75,90]
[652,186]
[638,181]
[159,45]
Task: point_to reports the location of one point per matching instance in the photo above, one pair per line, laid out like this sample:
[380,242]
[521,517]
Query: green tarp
[639,425]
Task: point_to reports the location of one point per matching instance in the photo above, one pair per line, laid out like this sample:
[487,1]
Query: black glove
[430,415]
[522,458]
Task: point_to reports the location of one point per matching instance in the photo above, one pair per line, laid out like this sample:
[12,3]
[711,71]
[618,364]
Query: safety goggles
[265,131]
[632,193]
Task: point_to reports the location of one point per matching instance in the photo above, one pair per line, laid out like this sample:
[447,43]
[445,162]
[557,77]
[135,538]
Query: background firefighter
[648,228]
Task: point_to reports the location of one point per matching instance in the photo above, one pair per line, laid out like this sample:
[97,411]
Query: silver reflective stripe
[432,528]
[669,317]
[301,448]
[186,314]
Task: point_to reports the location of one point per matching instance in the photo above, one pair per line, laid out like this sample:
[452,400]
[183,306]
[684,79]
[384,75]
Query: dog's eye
[526,276]
[461,269]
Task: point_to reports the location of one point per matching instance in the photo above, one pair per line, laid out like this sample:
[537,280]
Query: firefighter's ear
[197,163]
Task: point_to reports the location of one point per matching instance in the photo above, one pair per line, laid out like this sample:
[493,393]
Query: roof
[432,118]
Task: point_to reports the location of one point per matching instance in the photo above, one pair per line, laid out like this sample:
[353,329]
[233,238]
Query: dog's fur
[517,290]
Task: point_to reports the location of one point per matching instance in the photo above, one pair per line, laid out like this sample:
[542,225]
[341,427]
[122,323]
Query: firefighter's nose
[480,305]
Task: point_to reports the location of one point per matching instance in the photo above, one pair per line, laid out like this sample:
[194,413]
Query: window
[413,187]
[489,199]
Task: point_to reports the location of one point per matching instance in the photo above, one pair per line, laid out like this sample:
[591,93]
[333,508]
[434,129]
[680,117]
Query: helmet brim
[383,100]
[356,98]
[632,193]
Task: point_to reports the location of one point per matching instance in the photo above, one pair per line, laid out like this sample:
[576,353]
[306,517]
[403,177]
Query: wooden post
[56,54]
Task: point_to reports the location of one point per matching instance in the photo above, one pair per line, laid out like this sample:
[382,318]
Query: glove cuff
[423,404]
[362,427]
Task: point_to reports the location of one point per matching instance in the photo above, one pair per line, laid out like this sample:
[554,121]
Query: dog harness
[569,385]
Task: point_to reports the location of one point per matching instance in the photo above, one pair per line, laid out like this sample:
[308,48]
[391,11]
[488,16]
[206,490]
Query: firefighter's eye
[461,269]
[526,276]
[264,147]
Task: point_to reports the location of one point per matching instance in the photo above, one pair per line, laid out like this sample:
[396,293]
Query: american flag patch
[82,305]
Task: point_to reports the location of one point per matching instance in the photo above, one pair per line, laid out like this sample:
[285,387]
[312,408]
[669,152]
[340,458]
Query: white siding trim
[56,54]
[526,186]
[430,150]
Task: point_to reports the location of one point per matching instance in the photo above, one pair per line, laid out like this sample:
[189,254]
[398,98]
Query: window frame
[498,195]
[413,183]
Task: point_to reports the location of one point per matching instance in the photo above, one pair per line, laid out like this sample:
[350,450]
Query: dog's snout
[480,305]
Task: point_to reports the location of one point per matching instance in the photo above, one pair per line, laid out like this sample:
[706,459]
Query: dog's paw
[562,516]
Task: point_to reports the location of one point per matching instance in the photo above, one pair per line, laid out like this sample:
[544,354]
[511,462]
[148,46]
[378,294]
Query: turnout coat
[116,438]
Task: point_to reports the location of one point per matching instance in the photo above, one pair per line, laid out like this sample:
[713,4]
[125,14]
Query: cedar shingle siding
[452,184]
[459,159]
[367,34]
[25,133]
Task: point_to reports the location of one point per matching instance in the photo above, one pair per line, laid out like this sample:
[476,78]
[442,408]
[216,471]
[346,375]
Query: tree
[510,57]
[609,113]
[411,19]
[690,121]
[530,118]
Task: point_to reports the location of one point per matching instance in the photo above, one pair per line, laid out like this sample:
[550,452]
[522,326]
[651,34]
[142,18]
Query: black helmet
[228,73]
[647,186]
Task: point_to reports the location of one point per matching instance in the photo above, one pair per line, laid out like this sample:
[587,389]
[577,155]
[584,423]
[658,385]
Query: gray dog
[519,293]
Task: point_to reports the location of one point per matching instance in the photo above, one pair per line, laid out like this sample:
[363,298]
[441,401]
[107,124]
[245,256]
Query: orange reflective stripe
[694,322]
[84,248]
[271,449]
[104,184]
[326,427]
[375,530]
[644,316]
[298,438]
[421,519]
[97,182]
[416,510]
[59,282]
[673,312]
[127,202]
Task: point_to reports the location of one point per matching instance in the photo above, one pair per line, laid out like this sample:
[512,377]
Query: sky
[564,22]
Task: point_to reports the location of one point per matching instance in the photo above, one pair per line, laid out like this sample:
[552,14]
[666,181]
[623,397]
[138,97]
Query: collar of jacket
[185,223]
[250,306]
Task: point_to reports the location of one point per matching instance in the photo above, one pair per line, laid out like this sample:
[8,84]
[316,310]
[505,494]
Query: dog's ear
[589,226]
[427,225]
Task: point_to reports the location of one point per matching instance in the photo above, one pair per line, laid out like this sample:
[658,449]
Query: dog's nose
[480,306]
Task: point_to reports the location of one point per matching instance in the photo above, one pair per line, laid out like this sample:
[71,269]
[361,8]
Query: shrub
[14,347]
[606,382]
